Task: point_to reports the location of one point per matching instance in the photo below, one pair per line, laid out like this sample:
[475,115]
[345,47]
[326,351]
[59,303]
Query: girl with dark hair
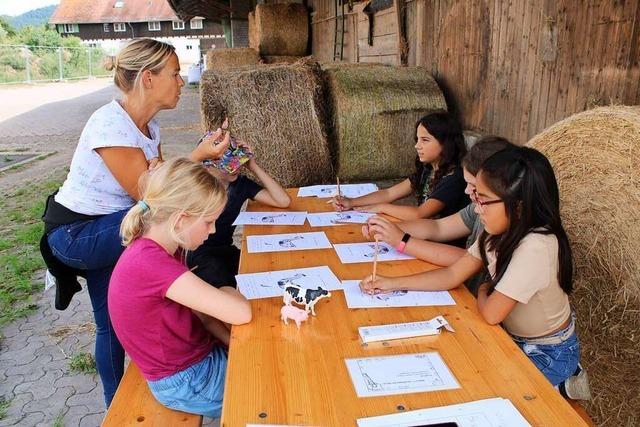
[526,258]
[438,182]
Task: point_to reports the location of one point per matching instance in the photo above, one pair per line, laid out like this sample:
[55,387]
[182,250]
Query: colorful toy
[294,313]
[306,297]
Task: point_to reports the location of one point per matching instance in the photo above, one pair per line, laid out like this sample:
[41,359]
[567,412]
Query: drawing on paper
[289,242]
[286,281]
[391,295]
[268,219]
[381,251]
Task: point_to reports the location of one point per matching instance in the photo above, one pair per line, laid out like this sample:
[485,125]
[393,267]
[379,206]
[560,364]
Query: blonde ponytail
[177,186]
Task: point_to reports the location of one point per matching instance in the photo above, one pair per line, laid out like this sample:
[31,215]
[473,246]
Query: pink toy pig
[293,313]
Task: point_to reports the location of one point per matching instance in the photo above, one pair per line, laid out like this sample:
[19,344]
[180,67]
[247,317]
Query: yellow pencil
[375,261]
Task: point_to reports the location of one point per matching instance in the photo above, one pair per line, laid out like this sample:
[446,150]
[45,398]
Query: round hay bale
[280,59]
[282,29]
[596,157]
[375,109]
[253,38]
[278,110]
[225,59]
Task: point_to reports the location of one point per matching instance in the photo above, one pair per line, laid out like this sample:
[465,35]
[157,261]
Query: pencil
[375,261]
[338,185]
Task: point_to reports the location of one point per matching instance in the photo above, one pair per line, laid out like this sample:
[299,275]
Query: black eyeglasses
[481,204]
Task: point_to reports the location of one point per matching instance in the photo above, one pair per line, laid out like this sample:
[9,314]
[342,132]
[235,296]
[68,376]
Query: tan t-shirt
[532,279]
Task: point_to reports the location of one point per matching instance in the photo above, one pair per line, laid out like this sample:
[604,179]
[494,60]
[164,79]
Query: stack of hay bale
[596,157]
[374,112]
[229,59]
[279,32]
[278,109]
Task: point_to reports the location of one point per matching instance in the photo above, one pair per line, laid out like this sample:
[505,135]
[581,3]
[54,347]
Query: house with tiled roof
[112,22]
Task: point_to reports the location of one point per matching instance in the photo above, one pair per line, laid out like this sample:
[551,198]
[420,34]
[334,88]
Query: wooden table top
[278,374]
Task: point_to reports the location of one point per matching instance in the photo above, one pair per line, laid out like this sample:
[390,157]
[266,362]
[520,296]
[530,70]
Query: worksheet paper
[270,218]
[347,190]
[394,331]
[272,283]
[358,299]
[327,219]
[400,374]
[496,412]
[287,242]
[350,253]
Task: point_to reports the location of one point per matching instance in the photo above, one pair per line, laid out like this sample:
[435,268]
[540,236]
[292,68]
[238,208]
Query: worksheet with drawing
[287,242]
[346,190]
[400,374]
[328,219]
[270,218]
[495,412]
[272,283]
[350,253]
[358,299]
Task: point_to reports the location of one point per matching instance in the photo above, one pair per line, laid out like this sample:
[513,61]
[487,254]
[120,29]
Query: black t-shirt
[238,192]
[450,191]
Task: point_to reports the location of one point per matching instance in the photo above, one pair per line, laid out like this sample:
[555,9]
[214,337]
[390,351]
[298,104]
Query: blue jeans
[197,389]
[556,356]
[95,246]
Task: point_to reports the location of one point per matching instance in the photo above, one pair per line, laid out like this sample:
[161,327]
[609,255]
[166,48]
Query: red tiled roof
[103,11]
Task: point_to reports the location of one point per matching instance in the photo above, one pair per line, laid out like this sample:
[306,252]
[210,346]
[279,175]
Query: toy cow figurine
[306,297]
[296,314]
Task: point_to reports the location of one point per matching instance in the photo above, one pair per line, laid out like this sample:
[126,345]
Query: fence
[28,64]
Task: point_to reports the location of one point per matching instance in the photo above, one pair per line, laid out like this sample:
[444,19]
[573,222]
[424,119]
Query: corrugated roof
[104,11]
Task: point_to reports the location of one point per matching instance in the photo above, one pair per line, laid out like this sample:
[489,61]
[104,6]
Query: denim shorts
[556,356]
[197,389]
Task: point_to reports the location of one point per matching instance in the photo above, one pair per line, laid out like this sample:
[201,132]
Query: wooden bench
[134,405]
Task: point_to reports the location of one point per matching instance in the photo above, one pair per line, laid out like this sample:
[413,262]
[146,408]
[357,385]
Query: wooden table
[278,374]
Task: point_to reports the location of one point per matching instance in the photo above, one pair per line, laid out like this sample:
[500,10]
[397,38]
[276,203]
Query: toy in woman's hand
[294,313]
[306,297]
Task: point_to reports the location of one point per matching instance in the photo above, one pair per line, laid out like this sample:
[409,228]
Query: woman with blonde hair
[118,144]
[167,318]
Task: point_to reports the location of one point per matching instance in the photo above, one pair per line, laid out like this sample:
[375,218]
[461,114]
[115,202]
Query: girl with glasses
[526,259]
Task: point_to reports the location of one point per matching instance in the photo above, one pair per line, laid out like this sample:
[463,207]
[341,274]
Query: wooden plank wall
[511,67]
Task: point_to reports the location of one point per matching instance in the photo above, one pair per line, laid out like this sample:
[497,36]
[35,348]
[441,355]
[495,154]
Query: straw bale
[278,110]
[596,157]
[374,112]
[224,59]
[253,38]
[280,59]
[282,29]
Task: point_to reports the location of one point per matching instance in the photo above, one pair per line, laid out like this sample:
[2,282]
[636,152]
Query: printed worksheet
[287,242]
[350,253]
[270,218]
[400,374]
[358,299]
[327,219]
[347,190]
[496,412]
[394,331]
[272,283]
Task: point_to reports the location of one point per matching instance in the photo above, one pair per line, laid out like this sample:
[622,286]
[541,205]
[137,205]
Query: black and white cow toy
[306,297]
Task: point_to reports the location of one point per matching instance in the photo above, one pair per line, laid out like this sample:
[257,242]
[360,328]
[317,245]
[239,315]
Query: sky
[17,7]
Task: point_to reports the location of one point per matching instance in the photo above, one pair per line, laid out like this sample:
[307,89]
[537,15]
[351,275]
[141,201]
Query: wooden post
[421,17]
[402,57]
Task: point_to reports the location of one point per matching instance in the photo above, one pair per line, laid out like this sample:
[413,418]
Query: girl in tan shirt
[525,255]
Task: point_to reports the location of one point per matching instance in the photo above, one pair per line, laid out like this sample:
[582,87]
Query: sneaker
[577,386]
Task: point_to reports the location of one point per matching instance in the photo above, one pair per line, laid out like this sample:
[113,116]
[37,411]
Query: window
[196,24]
[189,47]
[105,28]
[119,27]
[178,25]
[70,28]
[154,26]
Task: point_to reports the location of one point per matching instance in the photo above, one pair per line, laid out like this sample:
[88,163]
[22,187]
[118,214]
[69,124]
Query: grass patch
[20,230]
[83,363]
[4,406]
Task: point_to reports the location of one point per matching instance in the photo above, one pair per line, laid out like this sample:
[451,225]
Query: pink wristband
[401,246]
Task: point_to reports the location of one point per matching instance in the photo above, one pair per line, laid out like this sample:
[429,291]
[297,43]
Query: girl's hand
[382,285]
[341,203]
[154,163]
[366,232]
[385,230]
[377,208]
[225,124]
[211,147]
